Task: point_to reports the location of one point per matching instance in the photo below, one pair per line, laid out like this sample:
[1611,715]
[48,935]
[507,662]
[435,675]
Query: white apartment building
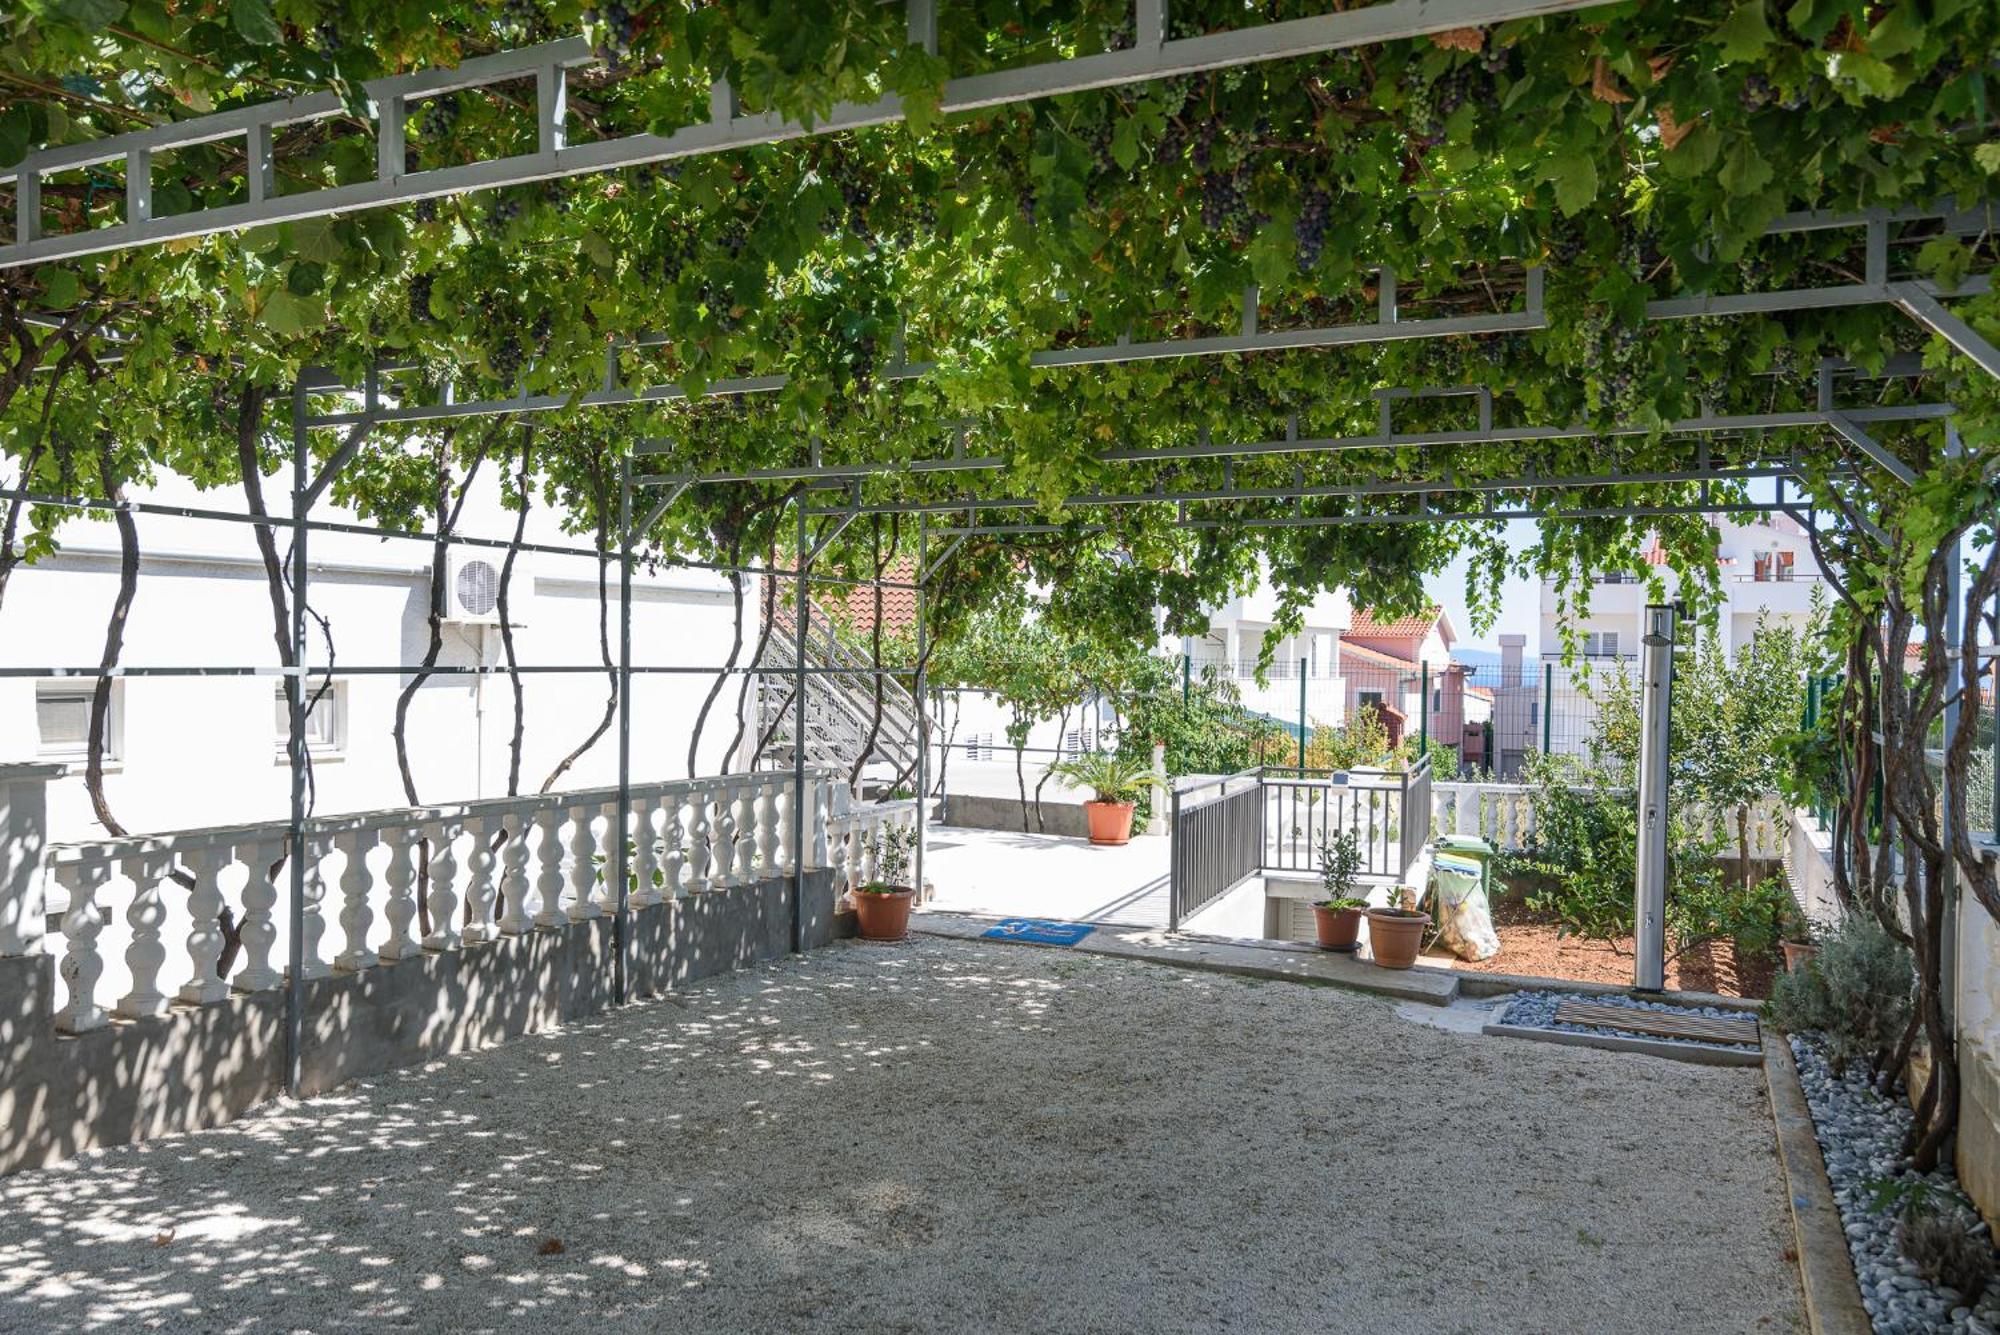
[187,751]
[1237,632]
[1766,573]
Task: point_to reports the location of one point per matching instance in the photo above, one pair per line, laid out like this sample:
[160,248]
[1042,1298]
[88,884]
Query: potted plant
[882,907]
[1116,780]
[1396,930]
[1337,918]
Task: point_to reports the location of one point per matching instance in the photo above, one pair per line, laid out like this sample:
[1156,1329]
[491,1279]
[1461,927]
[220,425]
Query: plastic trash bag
[1465,920]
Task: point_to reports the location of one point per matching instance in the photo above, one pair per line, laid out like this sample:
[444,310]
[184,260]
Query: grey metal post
[295,753]
[1302,717]
[621,856]
[1951,788]
[923,711]
[1548,702]
[799,613]
[1174,871]
[1655,710]
[1424,706]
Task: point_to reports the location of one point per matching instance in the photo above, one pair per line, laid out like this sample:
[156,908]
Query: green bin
[1472,848]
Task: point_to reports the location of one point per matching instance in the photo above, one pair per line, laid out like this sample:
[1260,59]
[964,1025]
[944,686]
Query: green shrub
[1856,992]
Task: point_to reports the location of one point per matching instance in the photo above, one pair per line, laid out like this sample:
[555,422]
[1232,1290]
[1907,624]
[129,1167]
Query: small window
[62,719]
[1437,700]
[1371,698]
[326,717]
[1534,712]
[1600,644]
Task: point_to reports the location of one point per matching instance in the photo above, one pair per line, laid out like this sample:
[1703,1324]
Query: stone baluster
[673,842]
[401,909]
[607,878]
[445,934]
[259,930]
[479,887]
[645,849]
[722,840]
[700,855]
[312,923]
[204,938]
[583,873]
[549,883]
[784,848]
[515,918]
[146,953]
[82,963]
[748,840]
[357,915]
[822,797]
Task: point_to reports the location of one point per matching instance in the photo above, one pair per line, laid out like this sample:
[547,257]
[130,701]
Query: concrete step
[1278,960]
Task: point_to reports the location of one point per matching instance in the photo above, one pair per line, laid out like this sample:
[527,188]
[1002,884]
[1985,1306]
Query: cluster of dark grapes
[1566,244]
[556,195]
[1204,144]
[1315,210]
[1755,274]
[1496,59]
[523,18]
[861,363]
[855,197]
[1172,141]
[1617,372]
[426,210]
[615,40]
[501,209]
[717,302]
[439,116]
[1757,92]
[1420,110]
[1024,201]
[1099,144]
[674,257]
[507,359]
[1503,349]
[326,36]
[734,238]
[1224,205]
[420,298]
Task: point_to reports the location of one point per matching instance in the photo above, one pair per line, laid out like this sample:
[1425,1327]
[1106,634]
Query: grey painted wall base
[201,1066]
[975,811]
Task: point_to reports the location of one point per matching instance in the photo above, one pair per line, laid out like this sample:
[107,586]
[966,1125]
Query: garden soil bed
[1530,944]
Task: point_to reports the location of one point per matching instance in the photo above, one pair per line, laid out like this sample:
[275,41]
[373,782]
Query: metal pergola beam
[1919,302]
[727,128]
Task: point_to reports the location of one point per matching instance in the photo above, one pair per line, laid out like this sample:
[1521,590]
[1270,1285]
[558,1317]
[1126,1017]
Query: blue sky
[1521,602]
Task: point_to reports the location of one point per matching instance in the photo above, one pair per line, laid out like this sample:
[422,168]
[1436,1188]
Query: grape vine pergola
[1202,284]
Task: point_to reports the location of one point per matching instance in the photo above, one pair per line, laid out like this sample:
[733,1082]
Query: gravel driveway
[943,1136]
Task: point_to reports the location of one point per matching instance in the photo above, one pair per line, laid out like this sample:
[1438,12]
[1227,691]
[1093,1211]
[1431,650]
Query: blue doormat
[1040,931]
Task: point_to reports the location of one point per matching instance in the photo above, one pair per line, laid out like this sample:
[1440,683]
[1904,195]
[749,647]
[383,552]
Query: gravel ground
[1861,1137]
[947,1136]
[1538,1010]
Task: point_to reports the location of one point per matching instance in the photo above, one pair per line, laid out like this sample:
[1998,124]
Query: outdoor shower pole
[1655,710]
[621,858]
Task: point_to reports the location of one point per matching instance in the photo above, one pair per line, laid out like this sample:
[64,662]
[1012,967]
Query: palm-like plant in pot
[1337,917]
[882,907]
[1396,930]
[1116,782]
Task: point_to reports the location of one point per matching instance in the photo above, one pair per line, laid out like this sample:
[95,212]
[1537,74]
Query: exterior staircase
[839,706]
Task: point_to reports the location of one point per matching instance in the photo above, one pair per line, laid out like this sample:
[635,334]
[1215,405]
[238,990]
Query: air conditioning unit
[472,589]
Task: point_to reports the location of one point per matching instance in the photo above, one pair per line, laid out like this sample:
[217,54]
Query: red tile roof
[1403,628]
[854,606]
[1351,650]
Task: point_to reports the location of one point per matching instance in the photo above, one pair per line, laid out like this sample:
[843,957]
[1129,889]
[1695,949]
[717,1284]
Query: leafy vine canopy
[1634,151]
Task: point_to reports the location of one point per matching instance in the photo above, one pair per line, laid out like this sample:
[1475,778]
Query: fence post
[1174,851]
[1423,706]
[1187,674]
[1302,716]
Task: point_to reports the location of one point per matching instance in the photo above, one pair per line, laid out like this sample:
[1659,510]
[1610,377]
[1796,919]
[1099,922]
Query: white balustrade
[150,909]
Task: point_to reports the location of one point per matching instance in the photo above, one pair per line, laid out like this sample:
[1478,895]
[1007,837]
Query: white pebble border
[1861,1136]
[1537,1010]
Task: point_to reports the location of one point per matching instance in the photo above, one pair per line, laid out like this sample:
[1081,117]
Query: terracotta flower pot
[884,915]
[1797,954]
[1110,822]
[1395,938]
[1339,929]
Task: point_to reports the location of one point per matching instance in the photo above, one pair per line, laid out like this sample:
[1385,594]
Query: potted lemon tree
[1337,917]
[1116,782]
[882,907]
